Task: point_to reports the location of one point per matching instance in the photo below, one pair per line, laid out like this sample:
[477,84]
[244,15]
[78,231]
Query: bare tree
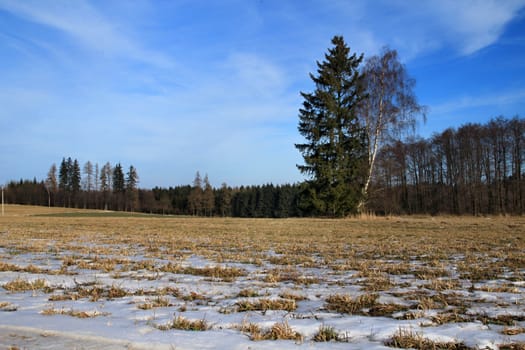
[391,107]
[51,183]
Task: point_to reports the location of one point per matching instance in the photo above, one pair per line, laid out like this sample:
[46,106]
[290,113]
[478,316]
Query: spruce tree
[335,149]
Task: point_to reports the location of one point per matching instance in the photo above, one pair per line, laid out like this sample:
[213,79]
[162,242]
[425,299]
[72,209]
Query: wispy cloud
[417,27]
[498,99]
[83,23]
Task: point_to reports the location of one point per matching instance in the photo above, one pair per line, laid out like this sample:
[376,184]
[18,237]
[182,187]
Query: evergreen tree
[131,188]
[75,179]
[195,196]
[119,185]
[224,199]
[335,149]
[63,180]
[208,198]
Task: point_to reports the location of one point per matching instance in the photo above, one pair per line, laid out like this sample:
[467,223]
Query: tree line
[93,187]
[360,155]
[476,169]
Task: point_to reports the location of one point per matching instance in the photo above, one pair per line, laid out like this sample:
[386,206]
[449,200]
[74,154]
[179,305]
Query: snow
[118,323]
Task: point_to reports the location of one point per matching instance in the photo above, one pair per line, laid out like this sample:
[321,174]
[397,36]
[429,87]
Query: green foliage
[335,151]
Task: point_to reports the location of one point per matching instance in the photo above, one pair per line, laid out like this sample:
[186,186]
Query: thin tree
[119,185]
[51,183]
[195,196]
[75,179]
[132,195]
[335,149]
[105,183]
[208,198]
[390,109]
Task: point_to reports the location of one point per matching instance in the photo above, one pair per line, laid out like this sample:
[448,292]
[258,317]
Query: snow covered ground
[188,283]
[47,303]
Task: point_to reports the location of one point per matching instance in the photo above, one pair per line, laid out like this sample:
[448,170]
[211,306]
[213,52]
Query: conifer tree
[132,195]
[208,198]
[195,196]
[335,149]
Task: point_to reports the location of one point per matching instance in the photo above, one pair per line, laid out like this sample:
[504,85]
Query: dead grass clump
[95,293]
[185,324]
[502,320]
[265,305]
[377,283]
[452,316]
[192,296]
[292,296]
[344,303]
[439,284]
[6,267]
[248,293]
[282,275]
[227,274]
[512,346]
[20,285]
[8,307]
[155,303]
[386,309]
[73,313]
[327,333]
[480,271]
[504,288]
[407,339]
[279,331]
[513,330]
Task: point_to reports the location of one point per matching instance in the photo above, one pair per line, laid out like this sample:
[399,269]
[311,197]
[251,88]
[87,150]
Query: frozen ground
[123,297]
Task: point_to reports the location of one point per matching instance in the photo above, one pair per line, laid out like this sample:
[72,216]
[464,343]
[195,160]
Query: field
[90,280]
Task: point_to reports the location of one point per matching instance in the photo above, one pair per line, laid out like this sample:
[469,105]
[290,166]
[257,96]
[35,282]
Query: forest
[476,169]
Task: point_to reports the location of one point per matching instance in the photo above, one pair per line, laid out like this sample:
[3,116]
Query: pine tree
[132,195]
[195,196]
[208,198]
[75,179]
[335,149]
[119,185]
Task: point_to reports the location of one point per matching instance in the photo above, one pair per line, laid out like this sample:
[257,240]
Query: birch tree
[391,108]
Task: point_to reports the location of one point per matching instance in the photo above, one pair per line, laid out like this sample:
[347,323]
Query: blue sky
[173,87]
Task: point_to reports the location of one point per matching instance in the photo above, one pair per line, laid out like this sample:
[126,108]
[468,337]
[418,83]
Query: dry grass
[265,305]
[344,303]
[21,285]
[439,258]
[279,331]
[185,324]
[327,333]
[73,313]
[407,339]
[512,346]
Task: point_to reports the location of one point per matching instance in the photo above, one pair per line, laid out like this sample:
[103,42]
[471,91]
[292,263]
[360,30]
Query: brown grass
[266,304]
[407,339]
[442,256]
[344,303]
[279,331]
[185,324]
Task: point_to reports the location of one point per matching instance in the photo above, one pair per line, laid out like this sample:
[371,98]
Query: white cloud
[502,99]
[475,24]
[81,21]
[419,27]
